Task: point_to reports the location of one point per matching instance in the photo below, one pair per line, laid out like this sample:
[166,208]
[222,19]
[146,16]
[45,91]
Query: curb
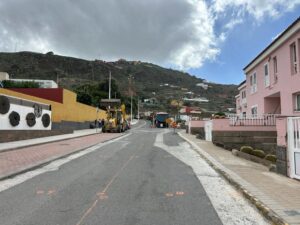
[48,161]
[46,142]
[268,213]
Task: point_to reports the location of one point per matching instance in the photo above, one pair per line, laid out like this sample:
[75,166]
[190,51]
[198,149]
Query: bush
[246,149]
[20,84]
[258,153]
[271,158]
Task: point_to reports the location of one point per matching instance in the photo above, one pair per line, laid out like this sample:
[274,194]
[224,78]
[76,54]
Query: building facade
[272,84]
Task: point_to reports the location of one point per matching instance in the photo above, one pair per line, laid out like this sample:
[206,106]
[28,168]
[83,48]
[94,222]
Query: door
[294,146]
[208,130]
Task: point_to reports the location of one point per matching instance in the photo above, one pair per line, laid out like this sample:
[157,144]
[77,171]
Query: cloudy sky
[212,39]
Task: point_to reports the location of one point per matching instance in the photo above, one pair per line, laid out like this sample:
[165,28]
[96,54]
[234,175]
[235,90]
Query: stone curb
[46,142]
[268,213]
[48,161]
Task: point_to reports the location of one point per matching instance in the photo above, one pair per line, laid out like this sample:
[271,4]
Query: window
[297,103]
[253,85]
[254,110]
[293,58]
[243,94]
[275,69]
[267,77]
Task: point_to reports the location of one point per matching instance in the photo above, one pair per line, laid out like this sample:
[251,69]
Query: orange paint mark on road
[102,195]
[179,193]
[40,192]
[169,194]
[51,192]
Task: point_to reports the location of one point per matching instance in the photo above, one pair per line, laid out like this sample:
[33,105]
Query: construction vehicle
[116,116]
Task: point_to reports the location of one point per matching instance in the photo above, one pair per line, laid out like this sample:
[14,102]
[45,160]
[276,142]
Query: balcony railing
[253,120]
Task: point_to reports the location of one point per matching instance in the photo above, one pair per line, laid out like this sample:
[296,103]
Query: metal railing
[253,120]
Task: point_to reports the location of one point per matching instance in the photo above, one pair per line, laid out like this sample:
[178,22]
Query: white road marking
[53,166]
[230,205]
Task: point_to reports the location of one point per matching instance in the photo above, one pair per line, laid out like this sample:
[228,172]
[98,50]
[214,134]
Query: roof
[273,42]
[242,83]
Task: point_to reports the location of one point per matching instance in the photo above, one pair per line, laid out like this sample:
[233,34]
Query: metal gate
[294,146]
[208,130]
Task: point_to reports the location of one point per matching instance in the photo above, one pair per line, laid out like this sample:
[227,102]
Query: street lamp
[130,88]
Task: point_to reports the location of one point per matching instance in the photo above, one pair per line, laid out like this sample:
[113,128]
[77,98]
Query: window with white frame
[253,84]
[275,70]
[293,51]
[254,111]
[297,102]
[267,77]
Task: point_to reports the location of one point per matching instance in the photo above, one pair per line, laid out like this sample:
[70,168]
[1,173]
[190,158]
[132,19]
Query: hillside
[149,80]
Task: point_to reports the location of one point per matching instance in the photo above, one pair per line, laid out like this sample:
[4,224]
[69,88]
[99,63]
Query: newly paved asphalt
[126,182]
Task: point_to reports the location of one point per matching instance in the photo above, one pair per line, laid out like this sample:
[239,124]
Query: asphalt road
[124,182]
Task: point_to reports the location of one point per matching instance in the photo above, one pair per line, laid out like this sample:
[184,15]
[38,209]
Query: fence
[253,120]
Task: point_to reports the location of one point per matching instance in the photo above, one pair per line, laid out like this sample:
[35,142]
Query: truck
[116,116]
[161,120]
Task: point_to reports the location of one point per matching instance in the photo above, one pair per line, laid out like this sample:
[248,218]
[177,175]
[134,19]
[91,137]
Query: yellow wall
[70,110]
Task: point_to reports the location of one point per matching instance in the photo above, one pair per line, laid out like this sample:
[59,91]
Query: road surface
[147,177]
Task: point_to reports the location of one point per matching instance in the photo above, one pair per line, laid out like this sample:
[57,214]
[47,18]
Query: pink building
[272,84]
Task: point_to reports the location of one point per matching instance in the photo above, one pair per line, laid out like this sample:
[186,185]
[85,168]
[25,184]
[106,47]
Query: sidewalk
[20,160]
[276,196]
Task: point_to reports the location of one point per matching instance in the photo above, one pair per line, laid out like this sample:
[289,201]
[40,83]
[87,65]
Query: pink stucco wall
[282,91]
[197,123]
[281,127]
[223,125]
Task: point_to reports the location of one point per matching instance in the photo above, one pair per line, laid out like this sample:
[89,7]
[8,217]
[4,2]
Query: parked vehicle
[161,120]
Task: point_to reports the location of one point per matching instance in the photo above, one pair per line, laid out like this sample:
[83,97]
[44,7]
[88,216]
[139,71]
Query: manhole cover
[64,144]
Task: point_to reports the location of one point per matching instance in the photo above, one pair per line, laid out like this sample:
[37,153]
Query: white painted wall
[23,111]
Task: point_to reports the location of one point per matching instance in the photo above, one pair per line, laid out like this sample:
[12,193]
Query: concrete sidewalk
[276,196]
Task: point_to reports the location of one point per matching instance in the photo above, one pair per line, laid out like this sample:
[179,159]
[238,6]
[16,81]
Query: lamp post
[130,88]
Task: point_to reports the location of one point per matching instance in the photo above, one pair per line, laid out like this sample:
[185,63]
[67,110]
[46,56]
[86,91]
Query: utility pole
[130,88]
[138,109]
[109,86]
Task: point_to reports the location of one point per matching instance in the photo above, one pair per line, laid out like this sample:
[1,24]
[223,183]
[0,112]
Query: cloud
[180,33]
[259,9]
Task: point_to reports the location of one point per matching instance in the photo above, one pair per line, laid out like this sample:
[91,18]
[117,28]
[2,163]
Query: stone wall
[264,140]
[194,130]
[72,125]
[18,135]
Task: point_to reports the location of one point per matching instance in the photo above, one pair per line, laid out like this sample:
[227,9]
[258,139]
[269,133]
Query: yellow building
[67,110]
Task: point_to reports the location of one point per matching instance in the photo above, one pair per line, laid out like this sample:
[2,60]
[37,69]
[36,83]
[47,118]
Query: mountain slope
[149,80]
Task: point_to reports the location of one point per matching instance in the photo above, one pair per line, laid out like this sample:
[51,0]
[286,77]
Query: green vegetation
[246,149]
[23,84]
[258,153]
[271,158]
[91,94]
[148,78]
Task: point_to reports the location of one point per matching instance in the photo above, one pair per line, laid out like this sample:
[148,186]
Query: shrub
[246,149]
[258,153]
[20,84]
[271,158]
